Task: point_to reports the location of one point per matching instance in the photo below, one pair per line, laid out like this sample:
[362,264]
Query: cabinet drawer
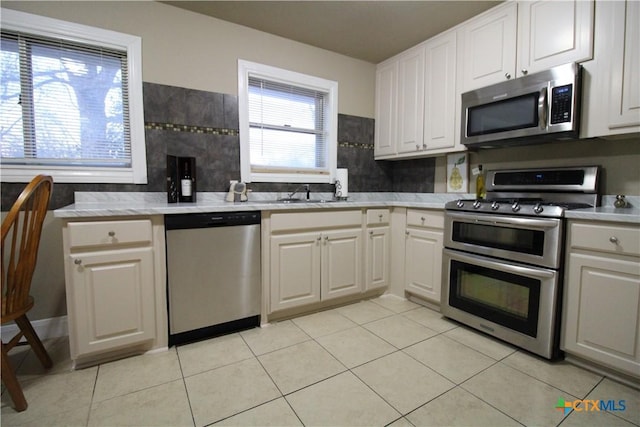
[618,239]
[424,218]
[99,233]
[377,216]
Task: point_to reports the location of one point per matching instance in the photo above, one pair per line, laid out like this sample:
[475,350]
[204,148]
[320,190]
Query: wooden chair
[20,240]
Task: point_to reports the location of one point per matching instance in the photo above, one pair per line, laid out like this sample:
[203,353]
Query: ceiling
[367,30]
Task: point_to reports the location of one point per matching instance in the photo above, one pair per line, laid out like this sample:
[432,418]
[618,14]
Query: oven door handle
[505,266]
[542,224]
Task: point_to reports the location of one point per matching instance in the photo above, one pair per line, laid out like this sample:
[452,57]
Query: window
[70,103]
[288,125]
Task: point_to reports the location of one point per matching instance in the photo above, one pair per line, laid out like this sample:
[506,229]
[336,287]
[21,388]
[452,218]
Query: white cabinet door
[386,109]
[487,52]
[602,311]
[624,108]
[295,270]
[410,100]
[114,299]
[341,273]
[552,32]
[377,258]
[440,92]
[423,263]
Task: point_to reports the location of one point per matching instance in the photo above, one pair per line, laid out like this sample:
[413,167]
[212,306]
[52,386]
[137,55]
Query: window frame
[72,32]
[246,69]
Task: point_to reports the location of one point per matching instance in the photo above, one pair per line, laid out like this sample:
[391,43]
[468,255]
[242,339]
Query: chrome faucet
[303,186]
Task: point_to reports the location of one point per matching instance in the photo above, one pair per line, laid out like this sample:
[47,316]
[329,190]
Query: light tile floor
[384,361]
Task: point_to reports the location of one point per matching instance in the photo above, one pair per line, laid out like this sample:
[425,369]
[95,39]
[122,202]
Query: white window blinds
[63,103]
[288,127]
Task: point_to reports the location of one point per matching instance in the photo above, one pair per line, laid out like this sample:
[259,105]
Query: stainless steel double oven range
[503,257]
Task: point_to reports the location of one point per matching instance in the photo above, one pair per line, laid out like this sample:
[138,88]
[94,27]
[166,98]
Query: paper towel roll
[342,183]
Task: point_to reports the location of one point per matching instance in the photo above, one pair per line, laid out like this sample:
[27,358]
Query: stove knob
[538,208]
[515,207]
[495,206]
[460,203]
[476,204]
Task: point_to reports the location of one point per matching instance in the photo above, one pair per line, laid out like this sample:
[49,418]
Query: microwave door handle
[542,108]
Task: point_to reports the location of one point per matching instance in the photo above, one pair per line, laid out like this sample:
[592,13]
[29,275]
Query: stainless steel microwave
[537,107]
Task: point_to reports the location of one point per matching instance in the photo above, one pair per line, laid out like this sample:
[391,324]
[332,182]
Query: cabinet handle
[525,71]
[507,75]
[112,233]
[614,240]
[77,261]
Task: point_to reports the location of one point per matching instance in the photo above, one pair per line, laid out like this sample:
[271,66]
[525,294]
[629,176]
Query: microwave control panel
[561,104]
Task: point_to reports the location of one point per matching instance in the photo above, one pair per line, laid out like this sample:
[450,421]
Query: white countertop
[106,204]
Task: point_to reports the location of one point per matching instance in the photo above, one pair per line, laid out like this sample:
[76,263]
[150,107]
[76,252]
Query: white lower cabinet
[312,266]
[602,295]
[423,254]
[115,286]
[112,294]
[378,246]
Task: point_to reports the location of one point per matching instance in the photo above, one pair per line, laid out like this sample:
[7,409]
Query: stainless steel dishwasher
[213,274]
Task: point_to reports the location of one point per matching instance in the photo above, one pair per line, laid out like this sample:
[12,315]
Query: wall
[619,159]
[186,49]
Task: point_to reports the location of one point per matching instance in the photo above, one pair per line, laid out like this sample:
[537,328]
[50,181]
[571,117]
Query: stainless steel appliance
[536,107]
[213,274]
[503,257]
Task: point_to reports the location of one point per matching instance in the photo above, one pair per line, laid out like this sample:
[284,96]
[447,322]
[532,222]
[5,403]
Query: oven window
[520,112]
[504,298]
[508,238]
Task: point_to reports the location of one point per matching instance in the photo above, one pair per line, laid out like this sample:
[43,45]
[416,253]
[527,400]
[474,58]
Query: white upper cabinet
[519,38]
[611,103]
[440,106]
[416,100]
[487,47]
[553,33]
[386,108]
[410,100]
[624,84]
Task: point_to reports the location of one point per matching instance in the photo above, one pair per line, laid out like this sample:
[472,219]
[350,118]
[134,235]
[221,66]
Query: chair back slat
[21,230]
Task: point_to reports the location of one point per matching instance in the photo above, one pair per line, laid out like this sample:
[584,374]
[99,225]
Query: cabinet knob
[406,232]
[614,240]
[423,219]
[319,238]
[417,146]
[507,75]
[112,233]
[77,261]
[371,233]
[525,71]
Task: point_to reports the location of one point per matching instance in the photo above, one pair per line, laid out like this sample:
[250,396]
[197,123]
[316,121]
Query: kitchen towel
[342,183]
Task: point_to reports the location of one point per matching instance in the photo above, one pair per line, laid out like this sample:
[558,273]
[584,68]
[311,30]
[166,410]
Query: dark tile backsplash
[187,122]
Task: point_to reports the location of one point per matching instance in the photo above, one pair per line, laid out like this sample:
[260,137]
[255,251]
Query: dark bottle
[185,182]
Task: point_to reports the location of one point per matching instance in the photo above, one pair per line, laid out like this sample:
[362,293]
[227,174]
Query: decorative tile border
[347,144]
[191,129]
[230,132]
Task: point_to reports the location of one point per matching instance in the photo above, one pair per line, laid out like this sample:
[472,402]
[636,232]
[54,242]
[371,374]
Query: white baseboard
[45,328]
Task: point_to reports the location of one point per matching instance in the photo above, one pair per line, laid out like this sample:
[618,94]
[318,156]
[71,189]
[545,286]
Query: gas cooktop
[547,192]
